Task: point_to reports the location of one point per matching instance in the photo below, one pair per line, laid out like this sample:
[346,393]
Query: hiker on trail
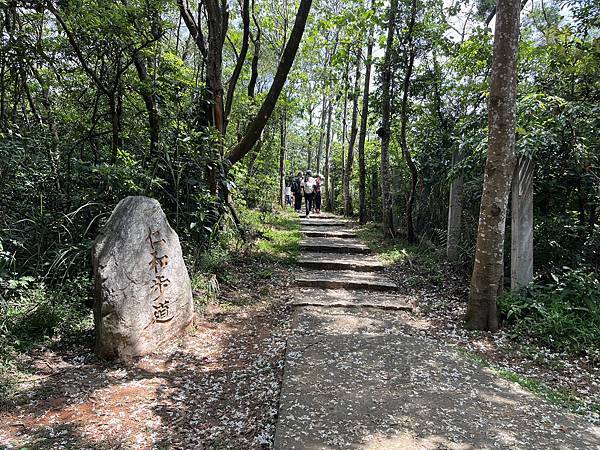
[318,193]
[308,187]
[288,193]
[297,192]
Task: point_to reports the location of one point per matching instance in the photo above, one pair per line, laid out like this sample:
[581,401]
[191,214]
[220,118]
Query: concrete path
[360,373]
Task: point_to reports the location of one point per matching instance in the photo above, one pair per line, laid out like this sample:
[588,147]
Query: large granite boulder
[143,295]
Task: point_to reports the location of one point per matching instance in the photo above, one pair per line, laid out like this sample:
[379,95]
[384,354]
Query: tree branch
[194,29]
[241,58]
[75,45]
[257,125]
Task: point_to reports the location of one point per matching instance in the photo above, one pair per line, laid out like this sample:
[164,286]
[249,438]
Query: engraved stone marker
[143,295]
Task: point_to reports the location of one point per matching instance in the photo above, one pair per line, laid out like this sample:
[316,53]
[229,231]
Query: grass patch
[280,235]
[397,251]
[559,397]
[275,242]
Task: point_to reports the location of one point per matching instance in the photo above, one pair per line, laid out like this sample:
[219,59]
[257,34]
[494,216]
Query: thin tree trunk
[3,92]
[257,125]
[151,102]
[309,140]
[240,60]
[115,142]
[214,66]
[375,191]
[455,209]
[328,188]
[324,108]
[410,59]
[387,205]
[282,148]
[345,117]
[364,118]
[486,281]
[353,132]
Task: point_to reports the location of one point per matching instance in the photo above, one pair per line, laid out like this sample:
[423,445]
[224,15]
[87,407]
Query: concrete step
[345,228]
[319,216]
[330,279]
[324,222]
[333,245]
[328,233]
[339,261]
[340,298]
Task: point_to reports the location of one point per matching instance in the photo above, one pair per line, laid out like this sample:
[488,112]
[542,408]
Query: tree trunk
[285,64]
[353,132]
[409,63]
[151,102]
[375,191]
[521,252]
[455,210]
[282,148]
[255,56]
[387,204]
[309,139]
[115,104]
[486,281]
[214,61]
[240,60]
[364,118]
[324,108]
[328,139]
[345,117]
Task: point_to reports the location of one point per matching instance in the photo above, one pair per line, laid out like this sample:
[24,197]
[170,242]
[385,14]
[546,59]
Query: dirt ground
[217,387]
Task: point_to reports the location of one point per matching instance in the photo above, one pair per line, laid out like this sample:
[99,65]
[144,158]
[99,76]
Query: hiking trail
[360,372]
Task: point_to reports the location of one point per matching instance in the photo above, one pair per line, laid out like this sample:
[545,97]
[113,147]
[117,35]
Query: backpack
[296,186]
[309,187]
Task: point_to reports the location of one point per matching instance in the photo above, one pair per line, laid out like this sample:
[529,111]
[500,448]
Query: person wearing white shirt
[308,187]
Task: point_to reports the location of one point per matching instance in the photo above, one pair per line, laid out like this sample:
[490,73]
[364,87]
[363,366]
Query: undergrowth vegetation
[273,238]
[36,314]
[563,315]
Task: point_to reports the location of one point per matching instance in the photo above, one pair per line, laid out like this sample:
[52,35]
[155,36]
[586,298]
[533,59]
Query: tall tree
[257,125]
[353,132]
[282,152]
[385,132]
[241,59]
[324,109]
[487,278]
[326,167]
[364,118]
[409,61]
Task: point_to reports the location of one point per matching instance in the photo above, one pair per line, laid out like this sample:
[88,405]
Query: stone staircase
[332,258]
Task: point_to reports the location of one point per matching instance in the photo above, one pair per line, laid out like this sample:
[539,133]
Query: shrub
[563,315]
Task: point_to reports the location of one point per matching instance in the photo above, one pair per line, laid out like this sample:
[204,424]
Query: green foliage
[563,315]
